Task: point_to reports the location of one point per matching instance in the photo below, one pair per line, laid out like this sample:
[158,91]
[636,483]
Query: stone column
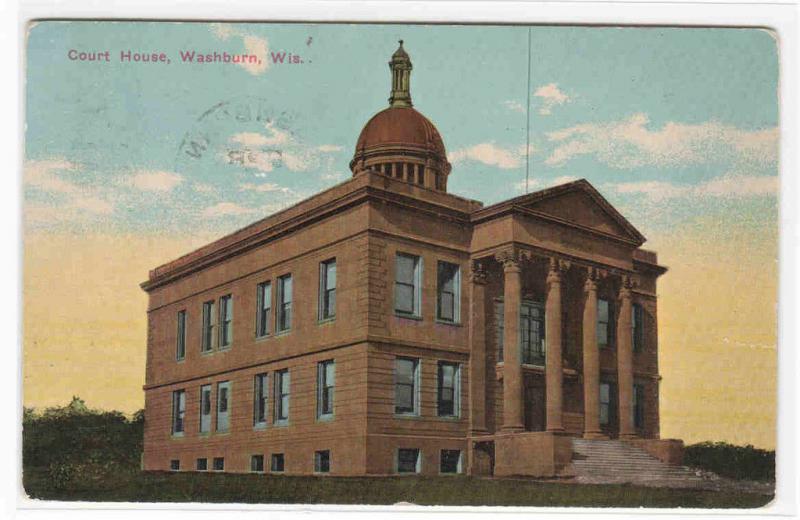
[477,342]
[591,361]
[625,362]
[512,364]
[553,359]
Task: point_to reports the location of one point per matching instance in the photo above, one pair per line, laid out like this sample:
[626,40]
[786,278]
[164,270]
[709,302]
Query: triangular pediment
[580,204]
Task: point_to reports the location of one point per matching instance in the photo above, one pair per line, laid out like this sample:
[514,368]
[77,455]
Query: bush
[728,460]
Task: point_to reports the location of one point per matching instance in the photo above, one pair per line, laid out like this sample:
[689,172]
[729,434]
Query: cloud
[489,154]
[276,147]
[74,200]
[255,45]
[154,181]
[266,187]
[729,186]
[200,187]
[551,96]
[327,148]
[93,205]
[629,144]
[224,209]
[515,106]
[42,174]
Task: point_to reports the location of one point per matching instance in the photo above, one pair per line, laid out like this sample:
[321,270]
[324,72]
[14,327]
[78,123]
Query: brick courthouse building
[387,326]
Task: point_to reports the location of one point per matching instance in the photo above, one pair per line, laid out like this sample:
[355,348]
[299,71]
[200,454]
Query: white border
[782,17]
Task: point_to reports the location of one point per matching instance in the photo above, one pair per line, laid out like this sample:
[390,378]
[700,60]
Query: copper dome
[400,127]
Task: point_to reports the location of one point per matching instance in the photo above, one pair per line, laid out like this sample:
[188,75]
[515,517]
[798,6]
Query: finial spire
[400,65]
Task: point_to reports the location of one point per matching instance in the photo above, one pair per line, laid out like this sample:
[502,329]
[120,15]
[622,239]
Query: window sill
[325,321]
[260,427]
[206,352]
[181,360]
[281,424]
[325,418]
[265,337]
[451,323]
[177,436]
[414,317]
[406,416]
[280,333]
[225,348]
[449,418]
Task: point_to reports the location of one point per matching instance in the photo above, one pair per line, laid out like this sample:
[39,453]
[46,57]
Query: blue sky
[668,123]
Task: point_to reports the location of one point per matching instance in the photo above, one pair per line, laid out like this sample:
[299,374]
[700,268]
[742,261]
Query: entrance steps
[616,462]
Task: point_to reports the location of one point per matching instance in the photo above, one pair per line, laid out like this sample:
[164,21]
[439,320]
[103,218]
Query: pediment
[579,203]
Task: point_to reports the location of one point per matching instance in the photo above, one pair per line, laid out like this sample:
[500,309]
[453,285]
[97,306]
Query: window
[637,326]
[604,323]
[223,406]
[326,380]
[638,406]
[532,333]
[257,463]
[322,461]
[284,303]
[408,460]
[219,464]
[180,344]
[448,292]
[450,461]
[276,463]
[406,386]
[175,465]
[282,396]
[264,308]
[407,298]
[225,321]
[178,412]
[327,289]
[500,328]
[208,326]
[605,403]
[202,465]
[448,389]
[205,408]
[260,395]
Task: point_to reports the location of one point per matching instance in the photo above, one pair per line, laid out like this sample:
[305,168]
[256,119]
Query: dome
[398,141]
[400,127]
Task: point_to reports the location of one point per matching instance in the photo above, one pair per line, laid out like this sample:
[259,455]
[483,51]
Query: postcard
[329,263]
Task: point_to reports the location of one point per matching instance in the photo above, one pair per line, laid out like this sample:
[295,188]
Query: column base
[628,436]
[595,435]
[557,429]
[513,428]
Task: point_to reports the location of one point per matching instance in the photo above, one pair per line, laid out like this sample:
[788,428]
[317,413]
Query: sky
[129,164]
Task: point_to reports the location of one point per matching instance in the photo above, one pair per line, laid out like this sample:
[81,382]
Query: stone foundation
[665,450]
[531,454]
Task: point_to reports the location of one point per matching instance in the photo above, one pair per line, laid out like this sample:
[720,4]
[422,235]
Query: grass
[134,486]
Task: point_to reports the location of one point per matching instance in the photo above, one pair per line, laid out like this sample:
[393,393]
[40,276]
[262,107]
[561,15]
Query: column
[625,362]
[512,366]
[477,342]
[553,359]
[591,361]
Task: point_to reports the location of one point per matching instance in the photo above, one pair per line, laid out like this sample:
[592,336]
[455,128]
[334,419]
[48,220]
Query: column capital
[557,266]
[510,258]
[477,273]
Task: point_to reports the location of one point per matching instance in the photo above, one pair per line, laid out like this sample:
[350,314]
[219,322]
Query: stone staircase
[615,462]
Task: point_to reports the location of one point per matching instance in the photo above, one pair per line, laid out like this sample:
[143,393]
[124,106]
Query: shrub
[728,460]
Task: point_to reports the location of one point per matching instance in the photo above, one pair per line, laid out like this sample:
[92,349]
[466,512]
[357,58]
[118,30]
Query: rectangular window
[500,328]
[605,313]
[322,461]
[284,303]
[175,465]
[208,327]
[178,411]
[605,404]
[448,292]
[638,406]
[406,386]
[276,463]
[637,326]
[282,385]
[327,289]
[448,389]
[219,464]
[326,380]
[408,460]
[223,406]
[202,465]
[257,463]
[264,308]
[531,328]
[408,277]
[260,395]
[180,343]
[450,462]
[225,321]
[205,408]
